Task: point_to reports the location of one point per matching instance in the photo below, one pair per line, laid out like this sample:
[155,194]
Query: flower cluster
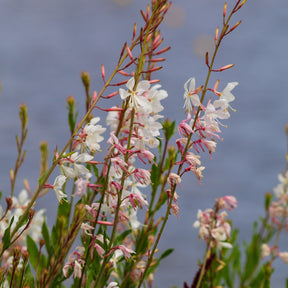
[134,131]
[33,227]
[213,225]
[204,126]
[278,213]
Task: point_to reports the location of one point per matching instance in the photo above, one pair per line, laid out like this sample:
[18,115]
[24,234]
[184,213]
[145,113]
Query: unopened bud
[70,101]
[23,115]
[9,202]
[134,31]
[235,26]
[103,72]
[85,79]
[224,10]
[226,67]
[129,52]
[26,185]
[41,243]
[11,175]
[25,256]
[207,59]
[268,199]
[216,35]
[241,4]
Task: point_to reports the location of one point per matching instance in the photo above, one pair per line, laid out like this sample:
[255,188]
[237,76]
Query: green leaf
[1,195]
[54,237]
[166,253]
[28,277]
[7,237]
[40,180]
[33,251]
[46,237]
[95,170]
[155,176]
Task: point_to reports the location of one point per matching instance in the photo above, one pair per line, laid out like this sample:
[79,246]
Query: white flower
[284,257]
[137,99]
[77,270]
[113,285]
[265,250]
[93,134]
[226,97]
[57,186]
[190,96]
[155,96]
[78,168]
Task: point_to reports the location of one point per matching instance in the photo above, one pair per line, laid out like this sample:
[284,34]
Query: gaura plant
[98,240]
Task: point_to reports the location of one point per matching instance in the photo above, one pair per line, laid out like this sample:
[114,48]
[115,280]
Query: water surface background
[46,44]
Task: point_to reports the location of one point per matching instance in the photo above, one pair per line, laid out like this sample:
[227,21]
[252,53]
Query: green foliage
[6,240]
[29,277]
[33,252]
[47,239]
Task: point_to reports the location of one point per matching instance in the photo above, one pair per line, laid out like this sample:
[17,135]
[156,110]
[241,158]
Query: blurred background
[45,45]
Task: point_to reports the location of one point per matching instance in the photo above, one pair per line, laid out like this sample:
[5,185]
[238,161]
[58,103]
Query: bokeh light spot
[203,44]
[175,16]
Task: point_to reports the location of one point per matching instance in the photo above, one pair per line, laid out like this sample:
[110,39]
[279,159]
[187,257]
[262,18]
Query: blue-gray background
[44,46]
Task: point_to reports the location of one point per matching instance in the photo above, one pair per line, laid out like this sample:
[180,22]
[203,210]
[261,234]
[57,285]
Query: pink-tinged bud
[223,68]
[110,95]
[226,67]
[157,44]
[122,51]
[153,69]
[147,11]
[163,50]
[241,4]
[148,37]
[157,60]
[235,26]
[105,223]
[129,52]
[105,169]
[207,59]
[143,15]
[216,87]
[124,73]
[156,39]
[109,109]
[167,7]
[216,35]
[154,81]
[119,83]
[103,72]
[94,96]
[134,31]
[11,175]
[224,10]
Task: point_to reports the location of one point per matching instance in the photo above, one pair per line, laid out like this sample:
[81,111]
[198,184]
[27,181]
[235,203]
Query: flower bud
[70,101]
[23,115]
[85,79]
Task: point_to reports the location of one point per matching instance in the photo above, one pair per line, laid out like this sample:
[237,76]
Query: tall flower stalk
[141,169]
